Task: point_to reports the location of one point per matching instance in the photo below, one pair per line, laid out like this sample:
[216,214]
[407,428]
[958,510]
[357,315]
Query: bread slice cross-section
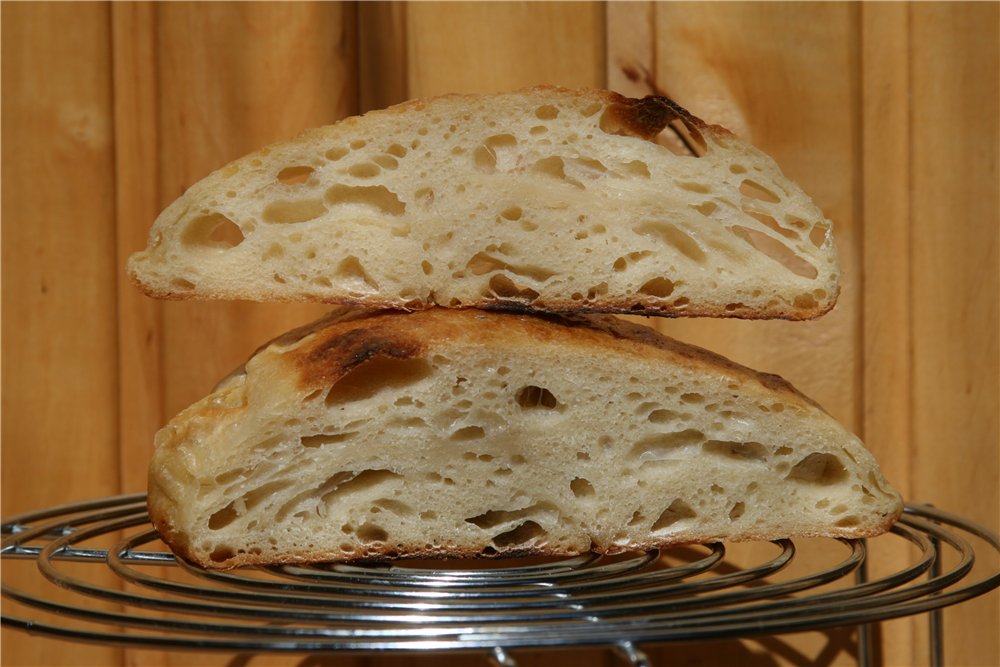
[464,433]
[543,199]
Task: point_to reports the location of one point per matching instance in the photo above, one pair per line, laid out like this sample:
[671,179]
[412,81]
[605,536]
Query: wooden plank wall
[886,113]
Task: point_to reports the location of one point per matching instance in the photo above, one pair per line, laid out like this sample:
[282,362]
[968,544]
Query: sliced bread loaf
[467,433]
[545,199]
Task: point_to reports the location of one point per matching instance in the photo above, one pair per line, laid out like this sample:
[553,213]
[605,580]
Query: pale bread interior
[546,199]
[532,447]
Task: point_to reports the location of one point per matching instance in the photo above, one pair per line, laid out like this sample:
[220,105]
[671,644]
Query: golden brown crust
[339,345]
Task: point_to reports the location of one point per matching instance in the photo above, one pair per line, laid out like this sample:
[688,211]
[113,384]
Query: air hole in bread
[658,287]
[691,186]
[468,433]
[377,374]
[512,213]
[739,451]
[819,234]
[182,284]
[529,531]
[532,397]
[396,150]
[538,129]
[637,518]
[396,507]
[663,445]
[672,236]
[482,263]
[755,190]
[547,112]
[662,416]
[230,476]
[223,517]
[555,167]
[692,397]
[370,532]
[344,483]
[245,503]
[336,153]
[818,468]
[364,170]
[772,224]
[805,301]
[488,154]
[677,511]
[321,439]
[353,275]
[597,290]
[503,287]
[213,230]
[706,208]
[221,553]
[581,488]
[737,511]
[290,212]
[494,518]
[776,250]
[295,175]
[636,168]
[375,196]
[386,161]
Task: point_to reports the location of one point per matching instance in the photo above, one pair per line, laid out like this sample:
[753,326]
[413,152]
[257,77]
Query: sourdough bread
[468,433]
[544,199]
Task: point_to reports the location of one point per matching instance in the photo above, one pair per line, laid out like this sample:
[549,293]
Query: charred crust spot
[334,357]
[649,116]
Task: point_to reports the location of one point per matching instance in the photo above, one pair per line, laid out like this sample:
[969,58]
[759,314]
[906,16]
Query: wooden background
[886,113]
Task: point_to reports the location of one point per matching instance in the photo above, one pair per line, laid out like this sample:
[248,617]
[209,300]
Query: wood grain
[885,113]
[480,47]
[954,280]
[60,375]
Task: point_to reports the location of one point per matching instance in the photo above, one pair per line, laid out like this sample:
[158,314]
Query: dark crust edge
[630,306]
[407,552]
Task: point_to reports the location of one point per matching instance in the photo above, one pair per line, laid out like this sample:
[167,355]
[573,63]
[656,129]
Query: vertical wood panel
[887,388]
[478,47]
[59,318]
[381,55]
[886,114]
[954,218]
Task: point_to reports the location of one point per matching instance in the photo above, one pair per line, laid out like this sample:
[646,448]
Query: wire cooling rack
[104,577]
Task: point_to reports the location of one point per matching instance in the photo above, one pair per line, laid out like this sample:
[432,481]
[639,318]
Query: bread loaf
[544,199]
[465,433]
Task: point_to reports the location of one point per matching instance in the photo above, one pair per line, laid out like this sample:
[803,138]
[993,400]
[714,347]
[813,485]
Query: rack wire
[677,594]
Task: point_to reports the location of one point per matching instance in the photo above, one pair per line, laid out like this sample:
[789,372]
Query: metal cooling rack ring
[585,600]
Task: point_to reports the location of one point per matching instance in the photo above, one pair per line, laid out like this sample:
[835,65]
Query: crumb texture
[350,440]
[546,199]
